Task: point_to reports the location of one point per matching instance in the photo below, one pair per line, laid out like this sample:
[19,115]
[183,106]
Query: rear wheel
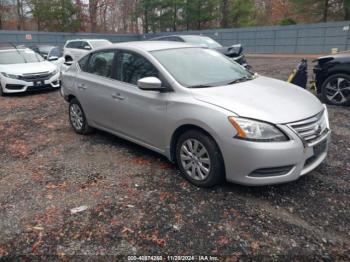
[336,90]
[77,118]
[199,159]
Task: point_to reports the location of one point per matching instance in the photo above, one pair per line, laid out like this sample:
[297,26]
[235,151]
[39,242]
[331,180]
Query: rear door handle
[118,96]
[82,86]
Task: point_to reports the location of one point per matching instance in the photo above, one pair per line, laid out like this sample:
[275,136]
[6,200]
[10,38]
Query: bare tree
[20,14]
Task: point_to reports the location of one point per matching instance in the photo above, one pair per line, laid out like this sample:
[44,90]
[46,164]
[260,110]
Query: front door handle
[82,86]
[118,96]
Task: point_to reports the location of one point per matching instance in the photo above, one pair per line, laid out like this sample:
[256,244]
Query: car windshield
[201,40]
[99,43]
[19,57]
[200,67]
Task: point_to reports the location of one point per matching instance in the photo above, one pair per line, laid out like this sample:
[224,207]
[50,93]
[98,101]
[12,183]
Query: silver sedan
[199,109]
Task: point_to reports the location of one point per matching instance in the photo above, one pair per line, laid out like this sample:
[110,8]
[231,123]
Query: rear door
[96,87]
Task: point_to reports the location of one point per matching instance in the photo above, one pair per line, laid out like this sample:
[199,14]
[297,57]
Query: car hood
[264,99]
[28,68]
[341,58]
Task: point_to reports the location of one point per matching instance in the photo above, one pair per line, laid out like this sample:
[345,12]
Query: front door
[139,114]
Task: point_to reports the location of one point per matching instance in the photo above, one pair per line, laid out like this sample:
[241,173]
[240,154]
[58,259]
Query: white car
[51,53]
[75,49]
[22,69]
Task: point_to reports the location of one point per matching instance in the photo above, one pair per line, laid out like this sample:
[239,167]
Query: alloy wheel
[76,116]
[338,90]
[195,159]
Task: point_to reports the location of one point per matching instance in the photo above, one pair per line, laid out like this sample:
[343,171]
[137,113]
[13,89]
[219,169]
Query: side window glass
[55,52]
[83,63]
[179,39]
[101,63]
[83,44]
[70,45]
[74,44]
[132,67]
[173,38]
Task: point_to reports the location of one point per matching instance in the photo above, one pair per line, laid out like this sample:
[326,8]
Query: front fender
[210,118]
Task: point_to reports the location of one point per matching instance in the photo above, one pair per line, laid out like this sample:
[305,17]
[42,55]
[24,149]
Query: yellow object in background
[313,85]
[334,51]
[291,76]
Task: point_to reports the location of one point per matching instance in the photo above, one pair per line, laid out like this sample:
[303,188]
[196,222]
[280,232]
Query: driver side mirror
[52,58]
[87,47]
[150,84]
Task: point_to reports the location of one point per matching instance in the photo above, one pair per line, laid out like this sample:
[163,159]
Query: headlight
[10,75]
[256,131]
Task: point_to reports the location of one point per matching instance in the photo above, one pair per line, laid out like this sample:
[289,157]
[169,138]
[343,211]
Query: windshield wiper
[13,45]
[240,80]
[200,86]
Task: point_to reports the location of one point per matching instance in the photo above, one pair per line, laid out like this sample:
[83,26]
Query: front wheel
[199,159]
[77,118]
[336,90]
[1,91]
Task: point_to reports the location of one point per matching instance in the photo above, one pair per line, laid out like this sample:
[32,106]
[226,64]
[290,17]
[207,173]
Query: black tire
[216,170]
[1,92]
[82,128]
[327,93]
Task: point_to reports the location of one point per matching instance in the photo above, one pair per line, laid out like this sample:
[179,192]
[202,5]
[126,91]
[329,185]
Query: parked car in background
[332,76]
[235,51]
[22,69]
[74,49]
[50,53]
[193,105]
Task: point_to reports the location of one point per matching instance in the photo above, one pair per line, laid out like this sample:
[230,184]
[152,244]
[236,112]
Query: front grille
[42,87]
[35,77]
[312,128]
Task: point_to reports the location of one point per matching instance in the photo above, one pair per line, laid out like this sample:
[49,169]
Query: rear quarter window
[74,44]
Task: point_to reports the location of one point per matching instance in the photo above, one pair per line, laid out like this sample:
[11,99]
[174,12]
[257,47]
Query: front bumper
[11,86]
[264,163]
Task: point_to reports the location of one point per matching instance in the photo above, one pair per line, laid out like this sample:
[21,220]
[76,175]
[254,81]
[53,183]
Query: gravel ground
[133,201]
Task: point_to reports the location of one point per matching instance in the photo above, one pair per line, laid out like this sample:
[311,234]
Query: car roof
[151,45]
[96,39]
[46,45]
[159,37]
